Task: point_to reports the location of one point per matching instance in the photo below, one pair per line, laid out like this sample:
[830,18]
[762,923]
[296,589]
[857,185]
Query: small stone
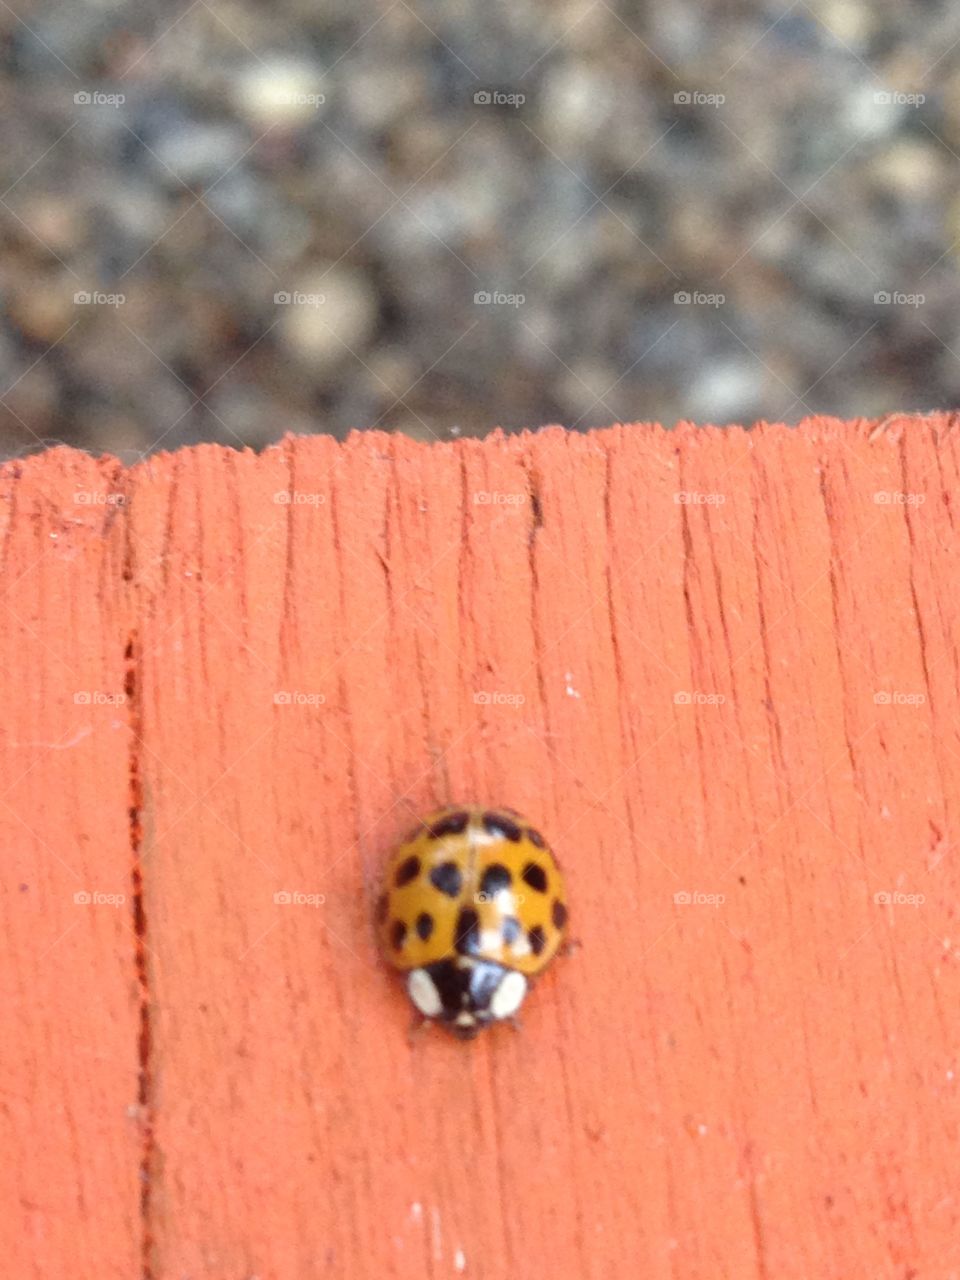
[335,318]
[284,92]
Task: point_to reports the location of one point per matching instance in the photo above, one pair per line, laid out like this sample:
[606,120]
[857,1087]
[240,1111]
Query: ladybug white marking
[508,997]
[424,994]
[489,940]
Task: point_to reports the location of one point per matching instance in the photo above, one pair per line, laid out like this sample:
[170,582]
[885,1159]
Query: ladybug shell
[472,882]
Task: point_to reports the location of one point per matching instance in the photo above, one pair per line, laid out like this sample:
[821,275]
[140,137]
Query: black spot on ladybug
[447,878]
[535,876]
[498,824]
[559,914]
[424,925]
[408,870]
[453,824]
[496,878]
[466,937]
[538,939]
[536,838]
[398,933]
[381,908]
[512,930]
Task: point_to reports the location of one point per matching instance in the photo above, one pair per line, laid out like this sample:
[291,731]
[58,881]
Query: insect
[473,906]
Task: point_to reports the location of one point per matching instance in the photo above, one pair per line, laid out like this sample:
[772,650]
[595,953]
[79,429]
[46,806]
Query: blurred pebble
[335,318]
[198,153]
[721,386]
[282,92]
[542,155]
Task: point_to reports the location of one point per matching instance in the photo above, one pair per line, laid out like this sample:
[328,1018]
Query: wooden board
[70,1005]
[718,668]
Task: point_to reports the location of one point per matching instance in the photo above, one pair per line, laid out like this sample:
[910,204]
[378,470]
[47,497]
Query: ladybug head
[466,994]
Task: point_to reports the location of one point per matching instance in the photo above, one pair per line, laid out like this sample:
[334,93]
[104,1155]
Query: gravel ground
[438,218]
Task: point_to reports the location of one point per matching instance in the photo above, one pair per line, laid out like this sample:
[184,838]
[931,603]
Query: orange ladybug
[473,906]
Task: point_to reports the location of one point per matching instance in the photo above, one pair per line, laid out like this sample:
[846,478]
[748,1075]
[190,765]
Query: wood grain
[718,668]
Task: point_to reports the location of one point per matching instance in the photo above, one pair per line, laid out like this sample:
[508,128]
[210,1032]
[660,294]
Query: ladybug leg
[516,1021]
[415,1029]
[571,945]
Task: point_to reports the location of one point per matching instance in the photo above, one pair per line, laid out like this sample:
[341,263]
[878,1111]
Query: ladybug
[473,906]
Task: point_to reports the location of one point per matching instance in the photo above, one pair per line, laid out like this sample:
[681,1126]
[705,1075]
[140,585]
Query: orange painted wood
[70,1123]
[718,668]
